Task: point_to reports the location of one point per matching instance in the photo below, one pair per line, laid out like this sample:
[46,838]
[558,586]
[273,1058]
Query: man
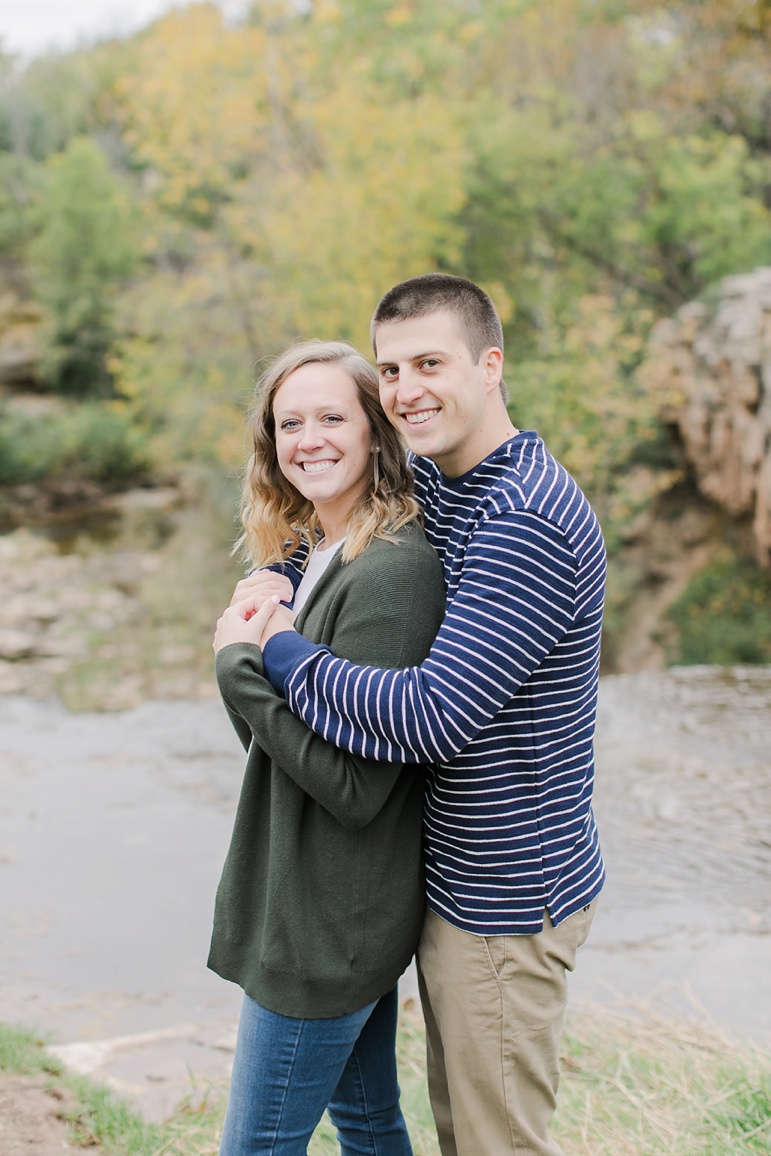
[504,707]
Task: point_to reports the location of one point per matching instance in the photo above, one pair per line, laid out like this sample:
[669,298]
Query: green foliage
[85,249]
[698,211]
[593,165]
[582,395]
[19,183]
[724,615]
[58,97]
[93,441]
[186,367]
[560,205]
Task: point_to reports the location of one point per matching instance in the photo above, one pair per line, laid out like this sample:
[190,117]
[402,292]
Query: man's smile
[421,416]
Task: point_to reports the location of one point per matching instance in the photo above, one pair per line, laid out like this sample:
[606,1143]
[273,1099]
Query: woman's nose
[312,436]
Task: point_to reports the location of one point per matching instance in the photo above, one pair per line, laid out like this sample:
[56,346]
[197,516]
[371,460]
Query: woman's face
[323,441]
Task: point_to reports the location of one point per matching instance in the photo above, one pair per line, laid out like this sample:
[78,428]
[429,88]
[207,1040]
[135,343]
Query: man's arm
[387,608]
[352,789]
[515,601]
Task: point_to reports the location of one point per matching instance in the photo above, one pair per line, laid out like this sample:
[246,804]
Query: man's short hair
[477,317]
[479,321]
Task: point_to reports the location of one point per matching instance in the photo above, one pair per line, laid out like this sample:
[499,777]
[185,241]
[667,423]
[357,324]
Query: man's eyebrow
[413,357]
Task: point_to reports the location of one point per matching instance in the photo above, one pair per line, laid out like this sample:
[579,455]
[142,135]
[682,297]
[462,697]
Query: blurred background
[184,190]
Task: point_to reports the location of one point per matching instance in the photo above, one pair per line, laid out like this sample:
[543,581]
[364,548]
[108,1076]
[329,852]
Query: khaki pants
[494,1010]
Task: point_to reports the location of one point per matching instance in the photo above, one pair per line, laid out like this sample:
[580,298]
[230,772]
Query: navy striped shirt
[503,707]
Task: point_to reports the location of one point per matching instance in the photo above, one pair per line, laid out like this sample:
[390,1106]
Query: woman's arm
[388,611]
[353,790]
[241,727]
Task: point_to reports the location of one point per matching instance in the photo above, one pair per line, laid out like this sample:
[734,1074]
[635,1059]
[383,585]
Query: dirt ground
[33,1120]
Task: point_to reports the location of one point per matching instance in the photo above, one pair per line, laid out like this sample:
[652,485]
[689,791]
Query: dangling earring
[375,470]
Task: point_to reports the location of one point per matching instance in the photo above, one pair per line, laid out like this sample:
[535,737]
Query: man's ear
[493,367]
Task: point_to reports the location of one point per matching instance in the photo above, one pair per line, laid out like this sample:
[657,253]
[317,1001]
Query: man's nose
[409,388]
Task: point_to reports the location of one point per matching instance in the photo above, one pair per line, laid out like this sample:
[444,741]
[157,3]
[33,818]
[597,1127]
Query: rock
[16,644]
[710,371]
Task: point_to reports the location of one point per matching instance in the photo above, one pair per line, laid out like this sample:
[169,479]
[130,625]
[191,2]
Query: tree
[84,251]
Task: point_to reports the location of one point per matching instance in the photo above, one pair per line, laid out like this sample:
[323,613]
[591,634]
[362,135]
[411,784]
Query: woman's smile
[317,467]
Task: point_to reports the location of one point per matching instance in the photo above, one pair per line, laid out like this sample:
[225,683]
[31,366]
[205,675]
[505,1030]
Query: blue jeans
[287,1071]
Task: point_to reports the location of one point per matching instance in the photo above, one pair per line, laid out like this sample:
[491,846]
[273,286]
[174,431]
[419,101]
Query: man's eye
[430,363]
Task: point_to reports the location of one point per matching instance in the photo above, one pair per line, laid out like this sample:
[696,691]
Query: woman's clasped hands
[256,611]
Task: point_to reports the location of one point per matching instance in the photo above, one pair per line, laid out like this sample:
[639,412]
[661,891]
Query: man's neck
[454,468]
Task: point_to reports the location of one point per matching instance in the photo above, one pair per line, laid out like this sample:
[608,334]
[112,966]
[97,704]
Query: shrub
[724,615]
[93,441]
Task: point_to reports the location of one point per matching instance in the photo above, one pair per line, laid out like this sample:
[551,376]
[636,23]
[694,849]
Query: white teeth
[419,418]
[317,467]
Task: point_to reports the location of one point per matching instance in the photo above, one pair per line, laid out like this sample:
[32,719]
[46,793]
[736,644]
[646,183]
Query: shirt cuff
[283,654]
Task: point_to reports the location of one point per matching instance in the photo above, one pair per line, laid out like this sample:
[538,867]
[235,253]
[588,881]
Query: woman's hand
[254,620]
[263,584]
[279,618]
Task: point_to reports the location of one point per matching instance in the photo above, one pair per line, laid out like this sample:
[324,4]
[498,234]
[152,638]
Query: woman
[320,904]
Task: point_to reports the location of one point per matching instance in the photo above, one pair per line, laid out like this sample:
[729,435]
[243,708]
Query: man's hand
[253,620]
[263,584]
[280,618]
[269,618]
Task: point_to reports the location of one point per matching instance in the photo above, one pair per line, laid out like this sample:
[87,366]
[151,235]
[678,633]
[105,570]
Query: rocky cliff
[710,369]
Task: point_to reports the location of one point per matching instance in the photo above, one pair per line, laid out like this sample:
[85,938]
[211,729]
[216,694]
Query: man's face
[442,403]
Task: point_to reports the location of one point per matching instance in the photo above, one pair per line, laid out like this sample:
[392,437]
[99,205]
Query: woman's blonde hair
[276,517]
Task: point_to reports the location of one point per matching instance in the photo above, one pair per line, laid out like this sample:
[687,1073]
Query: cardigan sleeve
[352,789]
[514,603]
[390,612]
[241,727]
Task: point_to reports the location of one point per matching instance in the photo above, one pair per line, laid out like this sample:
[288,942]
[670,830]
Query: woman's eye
[288,426]
[333,418]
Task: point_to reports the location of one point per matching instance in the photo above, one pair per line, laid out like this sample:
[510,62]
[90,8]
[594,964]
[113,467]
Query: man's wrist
[283,653]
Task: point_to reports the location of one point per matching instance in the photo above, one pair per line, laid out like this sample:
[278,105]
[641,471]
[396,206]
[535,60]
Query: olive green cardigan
[321,900]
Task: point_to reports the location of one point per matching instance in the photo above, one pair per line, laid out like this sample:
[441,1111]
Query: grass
[634,1084]
[99,1117]
[94,1115]
[644,1085]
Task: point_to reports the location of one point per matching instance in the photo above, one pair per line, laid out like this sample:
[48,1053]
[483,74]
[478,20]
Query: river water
[113,828]
[683,800]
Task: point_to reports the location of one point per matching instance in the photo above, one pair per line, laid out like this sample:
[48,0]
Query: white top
[317,564]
